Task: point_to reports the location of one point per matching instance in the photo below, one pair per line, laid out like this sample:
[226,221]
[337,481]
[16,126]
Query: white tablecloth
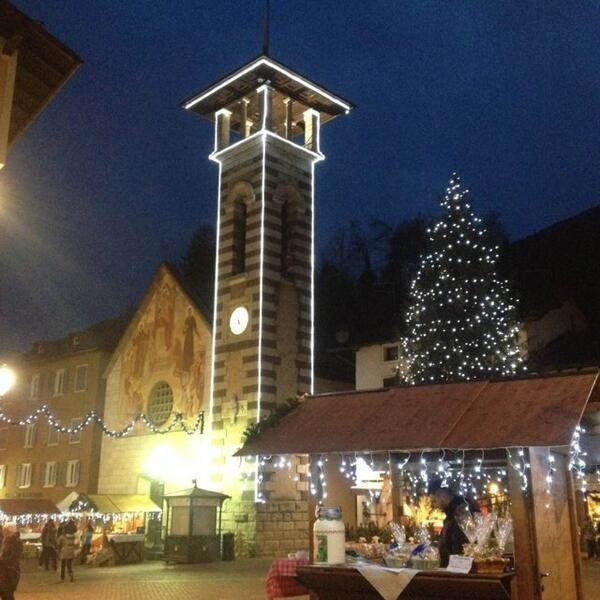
[390,583]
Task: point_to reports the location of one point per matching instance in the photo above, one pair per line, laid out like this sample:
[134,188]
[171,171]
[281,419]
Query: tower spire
[266,28]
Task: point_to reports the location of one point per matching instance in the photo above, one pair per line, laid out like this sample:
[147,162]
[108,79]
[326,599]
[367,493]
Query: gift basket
[485,549]
[400,550]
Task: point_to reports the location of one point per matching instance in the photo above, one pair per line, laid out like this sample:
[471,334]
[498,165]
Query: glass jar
[329,536]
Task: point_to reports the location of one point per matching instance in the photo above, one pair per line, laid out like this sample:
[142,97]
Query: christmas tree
[461,319]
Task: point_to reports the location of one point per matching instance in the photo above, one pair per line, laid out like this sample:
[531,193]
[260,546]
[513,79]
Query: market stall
[30,515]
[193,525]
[519,435]
[121,519]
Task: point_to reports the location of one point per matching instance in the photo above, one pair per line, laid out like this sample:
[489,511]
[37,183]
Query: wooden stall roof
[121,503]
[525,412]
[248,77]
[28,506]
[44,65]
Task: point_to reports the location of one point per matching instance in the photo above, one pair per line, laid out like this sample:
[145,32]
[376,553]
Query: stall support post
[575,533]
[397,492]
[524,536]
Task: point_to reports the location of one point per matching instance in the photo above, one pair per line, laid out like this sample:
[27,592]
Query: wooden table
[346,583]
[127,548]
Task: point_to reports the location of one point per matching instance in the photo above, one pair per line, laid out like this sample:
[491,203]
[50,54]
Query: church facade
[258,349]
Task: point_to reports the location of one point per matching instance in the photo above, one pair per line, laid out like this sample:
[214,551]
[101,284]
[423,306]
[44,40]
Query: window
[81,378]
[24,475]
[239,237]
[390,353]
[160,404]
[34,386]
[287,237]
[4,438]
[73,468]
[2,476]
[50,474]
[59,382]
[30,436]
[53,436]
[75,436]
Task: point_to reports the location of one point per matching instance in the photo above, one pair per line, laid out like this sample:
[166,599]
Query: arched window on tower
[239,237]
[287,237]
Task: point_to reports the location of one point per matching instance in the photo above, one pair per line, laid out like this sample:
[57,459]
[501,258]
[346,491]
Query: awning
[526,412]
[117,503]
[27,506]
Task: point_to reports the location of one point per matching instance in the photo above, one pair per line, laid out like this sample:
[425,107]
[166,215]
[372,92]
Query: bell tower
[267,121]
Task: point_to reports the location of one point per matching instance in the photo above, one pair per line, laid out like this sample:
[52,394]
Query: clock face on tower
[238,320]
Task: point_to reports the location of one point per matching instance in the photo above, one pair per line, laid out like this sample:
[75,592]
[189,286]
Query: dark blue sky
[114,176]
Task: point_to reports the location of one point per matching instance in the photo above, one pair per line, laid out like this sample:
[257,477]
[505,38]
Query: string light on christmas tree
[462,318]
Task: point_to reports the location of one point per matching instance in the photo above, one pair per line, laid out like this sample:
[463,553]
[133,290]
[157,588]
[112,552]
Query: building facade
[160,367]
[66,376]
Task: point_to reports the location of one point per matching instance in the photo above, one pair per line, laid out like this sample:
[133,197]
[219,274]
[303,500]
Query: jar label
[321,547]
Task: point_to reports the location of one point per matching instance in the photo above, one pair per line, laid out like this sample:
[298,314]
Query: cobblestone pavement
[591,579]
[242,579]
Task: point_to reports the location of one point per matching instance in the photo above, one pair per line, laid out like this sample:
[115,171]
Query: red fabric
[280,578]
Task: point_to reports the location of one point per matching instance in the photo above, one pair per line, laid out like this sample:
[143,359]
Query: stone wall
[271,529]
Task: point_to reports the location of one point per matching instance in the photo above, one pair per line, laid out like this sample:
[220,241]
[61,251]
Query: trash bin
[228,547]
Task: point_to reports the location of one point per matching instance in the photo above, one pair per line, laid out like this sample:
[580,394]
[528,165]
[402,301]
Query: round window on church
[160,403]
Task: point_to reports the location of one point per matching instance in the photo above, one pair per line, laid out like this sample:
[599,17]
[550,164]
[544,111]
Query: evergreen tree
[462,319]
[198,266]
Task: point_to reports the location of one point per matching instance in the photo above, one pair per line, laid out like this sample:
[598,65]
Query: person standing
[453,538]
[10,557]
[86,541]
[588,532]
[66,550]
[49,545]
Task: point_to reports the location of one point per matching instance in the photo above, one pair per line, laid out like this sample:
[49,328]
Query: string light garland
[462,318]
[177,424]
[449,465]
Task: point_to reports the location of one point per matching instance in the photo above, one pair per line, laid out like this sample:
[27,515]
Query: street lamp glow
[7,379]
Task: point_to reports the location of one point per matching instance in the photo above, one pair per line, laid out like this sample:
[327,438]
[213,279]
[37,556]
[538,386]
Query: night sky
[113,177]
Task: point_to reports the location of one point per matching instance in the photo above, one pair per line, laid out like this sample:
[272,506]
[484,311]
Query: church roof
[251,75]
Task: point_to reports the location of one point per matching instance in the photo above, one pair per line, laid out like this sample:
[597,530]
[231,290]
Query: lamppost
[7,379]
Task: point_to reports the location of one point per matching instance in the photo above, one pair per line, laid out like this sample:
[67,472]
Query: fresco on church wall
[169,343]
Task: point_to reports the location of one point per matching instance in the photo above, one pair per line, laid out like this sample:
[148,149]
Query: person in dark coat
[10,557]
[48,540]
[452,538]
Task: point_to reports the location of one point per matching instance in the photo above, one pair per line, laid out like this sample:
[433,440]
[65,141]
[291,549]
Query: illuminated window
[239,237]
[53,436]
[50,471]
[75,436]
[59,382]
[160,404]
[24,475]
[81,378]
[34,387]
[72,476]
[30,436]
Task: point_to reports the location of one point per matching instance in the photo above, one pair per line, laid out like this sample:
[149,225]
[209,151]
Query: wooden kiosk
[193,526]
[528,421]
